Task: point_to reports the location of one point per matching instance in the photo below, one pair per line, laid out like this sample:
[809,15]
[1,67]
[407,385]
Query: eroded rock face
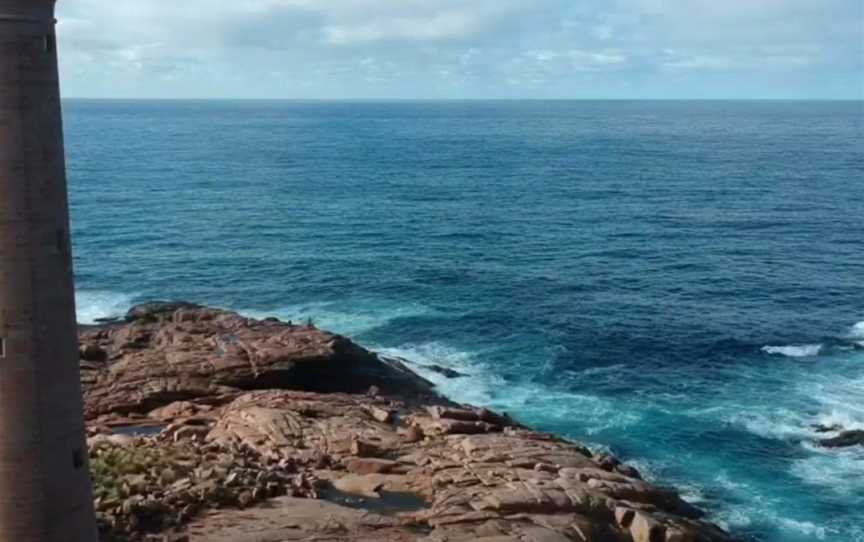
[176,351]
[210,380]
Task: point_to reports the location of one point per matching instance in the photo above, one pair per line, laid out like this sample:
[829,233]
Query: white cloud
[296,48]
[440,26]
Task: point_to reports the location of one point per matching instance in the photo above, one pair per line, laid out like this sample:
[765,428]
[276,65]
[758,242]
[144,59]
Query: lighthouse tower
[45,493]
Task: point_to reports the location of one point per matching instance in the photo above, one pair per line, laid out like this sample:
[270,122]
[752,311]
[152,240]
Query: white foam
[534,403]
[691,493]
[840,397]
[779,423]
[733,486]
[761,510]
[93,305]
[839,471]
[847,418]
[793,351]
[857,331]
[437,353]
[477,387]
[811,400]
[756,510]
[736,517]
[804,527]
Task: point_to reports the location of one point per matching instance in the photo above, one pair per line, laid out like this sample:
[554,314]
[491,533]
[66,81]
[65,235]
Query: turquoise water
[677,282]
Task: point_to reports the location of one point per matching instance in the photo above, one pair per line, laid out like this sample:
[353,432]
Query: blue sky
[428,49]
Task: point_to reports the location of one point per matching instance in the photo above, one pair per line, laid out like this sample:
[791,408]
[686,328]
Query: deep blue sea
[681,283]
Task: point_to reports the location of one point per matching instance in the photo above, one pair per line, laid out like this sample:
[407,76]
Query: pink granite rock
[399,464]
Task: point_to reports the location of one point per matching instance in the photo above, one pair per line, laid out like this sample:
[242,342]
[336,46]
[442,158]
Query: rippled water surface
[679,282]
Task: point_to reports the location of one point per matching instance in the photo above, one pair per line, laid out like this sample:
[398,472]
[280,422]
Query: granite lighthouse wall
[45,492]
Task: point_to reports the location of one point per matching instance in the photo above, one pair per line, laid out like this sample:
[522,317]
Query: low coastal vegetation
[156,484]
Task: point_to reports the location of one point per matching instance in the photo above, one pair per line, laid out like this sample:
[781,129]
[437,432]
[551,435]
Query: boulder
[156,309]
[844,440]
[444,371]
[360,484]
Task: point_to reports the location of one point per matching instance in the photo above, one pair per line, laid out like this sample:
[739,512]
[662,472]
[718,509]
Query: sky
[462,49]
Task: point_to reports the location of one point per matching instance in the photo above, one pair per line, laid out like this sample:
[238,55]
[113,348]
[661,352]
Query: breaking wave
[794,351]
[95,305]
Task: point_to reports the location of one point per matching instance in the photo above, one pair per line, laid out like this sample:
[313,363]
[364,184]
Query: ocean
[679,283]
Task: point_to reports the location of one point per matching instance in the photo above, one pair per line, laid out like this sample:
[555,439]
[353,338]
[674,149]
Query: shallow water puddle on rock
[138,430]
[391,502]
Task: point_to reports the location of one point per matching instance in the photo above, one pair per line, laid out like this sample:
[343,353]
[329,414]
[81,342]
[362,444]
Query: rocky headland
[206,426]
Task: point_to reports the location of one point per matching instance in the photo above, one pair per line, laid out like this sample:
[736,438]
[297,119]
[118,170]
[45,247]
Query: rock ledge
[208,426]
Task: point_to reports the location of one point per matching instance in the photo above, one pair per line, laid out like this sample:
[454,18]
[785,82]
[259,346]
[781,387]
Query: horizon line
[385,99]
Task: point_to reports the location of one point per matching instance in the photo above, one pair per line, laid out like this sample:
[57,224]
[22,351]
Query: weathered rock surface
[262,409]
[177,351]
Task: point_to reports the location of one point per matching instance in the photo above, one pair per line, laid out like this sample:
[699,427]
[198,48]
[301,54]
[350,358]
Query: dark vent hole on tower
[2,348]
[77,459]
[61,241]
[47,43]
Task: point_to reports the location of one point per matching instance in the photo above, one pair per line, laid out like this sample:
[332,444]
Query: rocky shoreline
[208,426]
